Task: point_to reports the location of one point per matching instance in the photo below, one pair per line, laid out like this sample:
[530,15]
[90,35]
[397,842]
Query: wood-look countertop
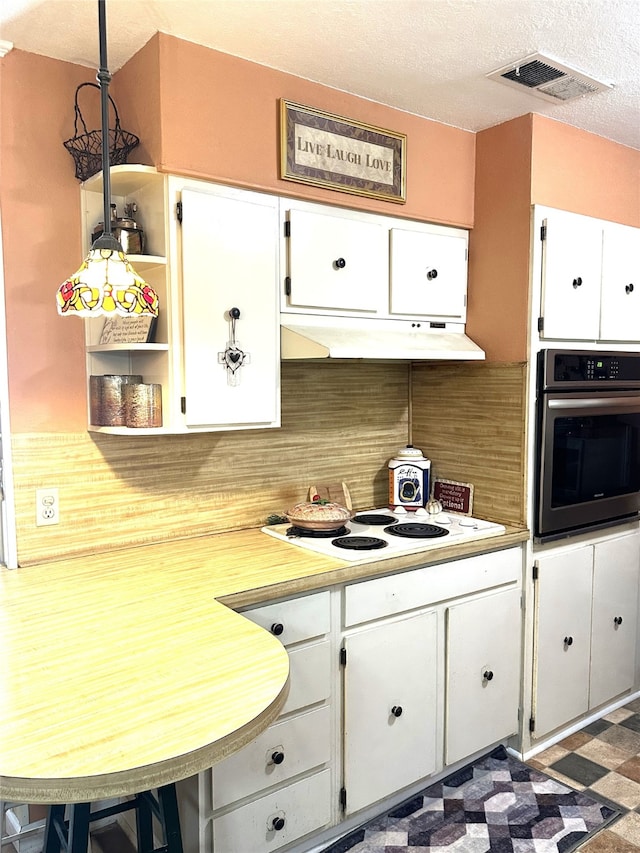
[125,670]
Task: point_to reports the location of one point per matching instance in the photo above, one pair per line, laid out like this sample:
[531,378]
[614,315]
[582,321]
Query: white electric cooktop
[372,533]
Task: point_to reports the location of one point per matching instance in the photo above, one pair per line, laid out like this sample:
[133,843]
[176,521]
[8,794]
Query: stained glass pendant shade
[106,283]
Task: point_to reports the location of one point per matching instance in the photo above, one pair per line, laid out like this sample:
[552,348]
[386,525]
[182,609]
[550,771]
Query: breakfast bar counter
[127,670]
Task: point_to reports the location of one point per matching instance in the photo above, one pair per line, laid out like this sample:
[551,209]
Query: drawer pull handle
[397,710]
[431,274]
[628,288]
[277,823]
[568,641]
[577,282]
[487,675]
[339,263]
[277,628]
[277,757]
[617,620]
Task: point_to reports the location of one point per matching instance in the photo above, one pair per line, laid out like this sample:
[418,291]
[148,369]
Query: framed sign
[128,330]
[455,497]
[330,151]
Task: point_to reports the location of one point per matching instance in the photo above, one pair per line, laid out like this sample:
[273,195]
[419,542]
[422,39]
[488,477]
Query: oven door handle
[594,403]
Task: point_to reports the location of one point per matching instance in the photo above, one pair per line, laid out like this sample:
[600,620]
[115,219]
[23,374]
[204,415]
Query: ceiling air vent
[547,78]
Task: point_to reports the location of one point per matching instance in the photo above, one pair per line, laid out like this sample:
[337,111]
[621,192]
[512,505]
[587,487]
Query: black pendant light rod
[104,78]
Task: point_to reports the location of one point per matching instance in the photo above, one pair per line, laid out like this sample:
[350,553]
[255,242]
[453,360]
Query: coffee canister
[409,479]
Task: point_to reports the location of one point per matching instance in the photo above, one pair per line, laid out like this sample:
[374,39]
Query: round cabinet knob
[617,620]
[277,823]
[487,675]
[628,288]
[577,282]
[277,757]
[277,628]
[431,274]
[234,313]
[339,263]
[568,641]
[397,710]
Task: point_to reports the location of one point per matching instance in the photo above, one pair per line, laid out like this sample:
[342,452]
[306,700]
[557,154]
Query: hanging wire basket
[86,148]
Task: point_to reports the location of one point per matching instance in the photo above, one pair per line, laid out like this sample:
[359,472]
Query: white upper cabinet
[336,262]
[571,272]
[590,287]
[209,250]
[428,274]
[230,307]
[620,313]
[351,263]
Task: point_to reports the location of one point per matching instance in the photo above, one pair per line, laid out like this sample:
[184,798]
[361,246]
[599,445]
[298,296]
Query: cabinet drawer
[429,585]
[309,676]
[303,807]
[295,620]
[297,744]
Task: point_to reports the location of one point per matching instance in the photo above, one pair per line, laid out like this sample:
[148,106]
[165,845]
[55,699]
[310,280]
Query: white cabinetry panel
[614,618]
[277,818]
[391,670]
[620,311]
[571,274]
[229,260]
[336,262]
[428,274]
[483,672]
[281,752]
[563,625]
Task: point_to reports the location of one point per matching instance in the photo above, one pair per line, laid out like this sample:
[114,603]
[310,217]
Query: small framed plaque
[454,497]
[128,330]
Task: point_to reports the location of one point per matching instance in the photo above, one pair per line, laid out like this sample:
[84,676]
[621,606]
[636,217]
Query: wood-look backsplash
[470,420]
[340,421]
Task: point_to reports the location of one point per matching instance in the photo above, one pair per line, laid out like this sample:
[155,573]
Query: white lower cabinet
[585,635]
[377,704]
[389,708]
[483,672]
[417,689]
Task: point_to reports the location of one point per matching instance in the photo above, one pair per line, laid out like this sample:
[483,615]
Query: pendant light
[106,283]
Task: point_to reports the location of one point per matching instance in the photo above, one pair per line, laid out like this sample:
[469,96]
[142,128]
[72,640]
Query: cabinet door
[428,274]
[390,708]
[483,673]
[562,638]
[337,262]
[571,274]
[614,618]
[620,312]
[229,260]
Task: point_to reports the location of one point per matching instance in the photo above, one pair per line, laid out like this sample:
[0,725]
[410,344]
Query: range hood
[305,336]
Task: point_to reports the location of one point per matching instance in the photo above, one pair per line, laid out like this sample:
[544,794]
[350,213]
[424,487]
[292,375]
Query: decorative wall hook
[233,357]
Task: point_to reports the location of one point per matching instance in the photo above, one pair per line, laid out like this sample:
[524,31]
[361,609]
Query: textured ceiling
[428,57]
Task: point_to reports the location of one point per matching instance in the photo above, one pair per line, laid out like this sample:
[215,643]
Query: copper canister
[142,405]
[106,400]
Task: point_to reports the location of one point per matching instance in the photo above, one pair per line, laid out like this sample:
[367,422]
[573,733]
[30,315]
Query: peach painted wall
[219,120]
[499,242]
[584,173]
[40,201]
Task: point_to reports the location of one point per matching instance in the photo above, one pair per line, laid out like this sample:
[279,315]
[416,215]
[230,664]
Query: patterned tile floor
[603,758]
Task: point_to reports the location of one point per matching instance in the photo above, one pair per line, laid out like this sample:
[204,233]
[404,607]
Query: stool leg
[144,824]
[52,828]
[79,828]
[170,818]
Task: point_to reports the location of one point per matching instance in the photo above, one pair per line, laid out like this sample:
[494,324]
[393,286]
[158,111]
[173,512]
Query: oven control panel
[573,369]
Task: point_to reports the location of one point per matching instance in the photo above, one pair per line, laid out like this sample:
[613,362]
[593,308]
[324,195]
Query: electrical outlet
[47,507]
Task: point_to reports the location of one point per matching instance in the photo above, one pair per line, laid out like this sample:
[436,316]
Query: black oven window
[595,457]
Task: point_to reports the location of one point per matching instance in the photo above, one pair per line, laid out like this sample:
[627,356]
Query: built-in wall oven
[587,441]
